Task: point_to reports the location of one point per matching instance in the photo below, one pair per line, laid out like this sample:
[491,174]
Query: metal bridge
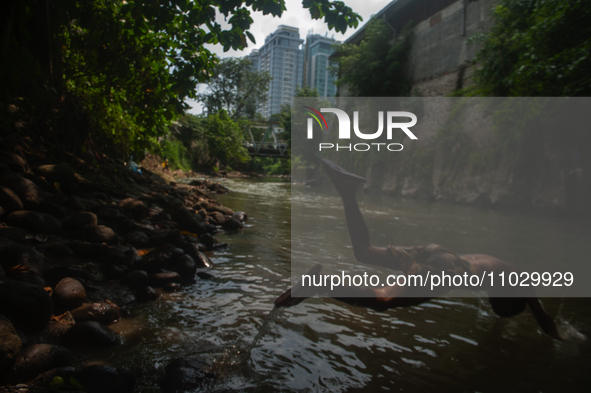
[269,145]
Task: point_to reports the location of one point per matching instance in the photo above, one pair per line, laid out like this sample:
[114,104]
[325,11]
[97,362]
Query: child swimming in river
[422,260]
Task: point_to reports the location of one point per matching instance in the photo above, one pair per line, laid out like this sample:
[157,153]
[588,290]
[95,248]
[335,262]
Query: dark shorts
[431,258]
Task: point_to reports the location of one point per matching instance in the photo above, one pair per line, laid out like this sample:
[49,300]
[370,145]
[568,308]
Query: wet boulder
[172,287]
[186,267]
[92,334]
[232,224]
[200,259]
[136,279]
[34,221]
[159,259]
[146,294]
[27,306]
[68,294]
[240,216]
[37,359]
[80,219]
[187,219]
[207,240]
[56,329]
[159,280]
[55,251]
[9,200]
[101,379]
[99,234]
[103,313]
[10,345]
[185,374]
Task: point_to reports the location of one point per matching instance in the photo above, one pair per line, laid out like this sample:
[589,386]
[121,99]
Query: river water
[322,345]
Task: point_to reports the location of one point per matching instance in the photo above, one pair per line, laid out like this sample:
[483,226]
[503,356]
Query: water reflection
[450,344]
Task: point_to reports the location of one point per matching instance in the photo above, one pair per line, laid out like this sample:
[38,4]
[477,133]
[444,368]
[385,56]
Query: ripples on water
[449,344]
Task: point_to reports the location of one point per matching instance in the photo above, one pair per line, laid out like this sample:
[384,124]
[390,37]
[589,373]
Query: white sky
[295,16]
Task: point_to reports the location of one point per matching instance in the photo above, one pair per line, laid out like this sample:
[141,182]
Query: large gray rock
[34,221]
[27,306]
[37,359]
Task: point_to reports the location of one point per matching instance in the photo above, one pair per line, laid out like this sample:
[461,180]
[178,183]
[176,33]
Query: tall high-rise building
[316,63]
[283,57]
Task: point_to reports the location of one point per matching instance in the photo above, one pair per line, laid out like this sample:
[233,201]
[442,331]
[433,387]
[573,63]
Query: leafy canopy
[133,63]
[363,68]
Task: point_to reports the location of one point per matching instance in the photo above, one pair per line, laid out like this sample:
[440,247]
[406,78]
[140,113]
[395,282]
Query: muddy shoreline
[81,241]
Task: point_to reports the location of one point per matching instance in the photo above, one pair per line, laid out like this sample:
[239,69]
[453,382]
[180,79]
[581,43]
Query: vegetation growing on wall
[537,48]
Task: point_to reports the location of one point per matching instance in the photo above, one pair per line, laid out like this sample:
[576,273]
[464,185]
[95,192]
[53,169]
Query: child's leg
[346,184]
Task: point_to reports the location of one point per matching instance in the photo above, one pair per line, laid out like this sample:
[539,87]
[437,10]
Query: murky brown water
[321,345]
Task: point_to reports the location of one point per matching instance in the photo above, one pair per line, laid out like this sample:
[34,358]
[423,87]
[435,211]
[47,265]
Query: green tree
[376,67]
[211,141]
[131,63]
[236,88]
[537,48]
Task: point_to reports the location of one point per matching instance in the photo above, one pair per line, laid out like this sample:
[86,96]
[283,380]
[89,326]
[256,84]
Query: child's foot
[343,180]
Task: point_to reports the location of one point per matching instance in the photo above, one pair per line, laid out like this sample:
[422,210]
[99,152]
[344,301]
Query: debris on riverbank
[81,238]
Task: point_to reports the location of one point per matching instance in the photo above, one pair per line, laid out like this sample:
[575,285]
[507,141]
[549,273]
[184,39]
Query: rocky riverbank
[81,241]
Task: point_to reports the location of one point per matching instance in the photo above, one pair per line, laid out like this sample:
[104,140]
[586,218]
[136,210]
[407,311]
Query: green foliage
[537,48]
[236,88]
[177,154]
[211,141]
[131,63]
[375,67]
